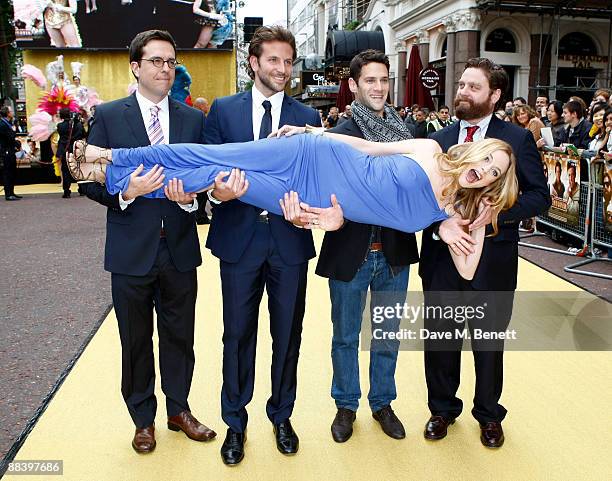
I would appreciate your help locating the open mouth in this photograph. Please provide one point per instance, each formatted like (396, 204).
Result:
(472, 176)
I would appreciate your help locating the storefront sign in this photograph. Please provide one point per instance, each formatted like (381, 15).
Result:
(430, 78)
(584, 61)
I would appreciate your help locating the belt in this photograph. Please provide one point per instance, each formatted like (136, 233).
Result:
(376, 246)
(263, 218)
(162, 233)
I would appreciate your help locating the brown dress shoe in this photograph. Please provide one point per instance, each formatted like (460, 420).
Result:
(193, 428)
(144, 440)
(436, 428)
(492, 435)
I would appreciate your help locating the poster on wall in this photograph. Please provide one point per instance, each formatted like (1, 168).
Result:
(111, 24)
(563, 179)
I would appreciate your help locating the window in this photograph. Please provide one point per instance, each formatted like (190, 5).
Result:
(577, 43)
(500, 40)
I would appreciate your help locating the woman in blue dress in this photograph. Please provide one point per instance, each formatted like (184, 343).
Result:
(406, 185)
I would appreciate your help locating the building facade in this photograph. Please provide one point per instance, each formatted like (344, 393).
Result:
(557, 55)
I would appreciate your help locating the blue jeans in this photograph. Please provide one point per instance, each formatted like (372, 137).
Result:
(348, 302)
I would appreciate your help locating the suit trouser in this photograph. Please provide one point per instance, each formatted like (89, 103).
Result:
(172, 294)
(443, 358)
(242, 286)
(67, 179)
(9, 171)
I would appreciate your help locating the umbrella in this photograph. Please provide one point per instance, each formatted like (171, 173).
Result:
(416, 93)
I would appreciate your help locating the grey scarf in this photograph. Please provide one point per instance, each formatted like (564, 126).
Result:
(388, 128)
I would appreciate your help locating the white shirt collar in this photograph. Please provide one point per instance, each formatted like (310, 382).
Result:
(483, 124)
(276, 100)
(145, 104)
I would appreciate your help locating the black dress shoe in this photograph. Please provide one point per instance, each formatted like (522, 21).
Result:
(18, 196)
(389, 423)
(436, 428)
(66, 195)
(492, 435)
(342, 427)
(287, 441)
(12, 197)
(232, 451)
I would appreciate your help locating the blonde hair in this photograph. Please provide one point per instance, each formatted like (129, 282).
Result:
(501, 194)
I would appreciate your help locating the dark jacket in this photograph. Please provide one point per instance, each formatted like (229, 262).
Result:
(579, 137)
(69, 131)
(233, 224)
(344, 251)
(132, 235)
(497, 269)
(7, 142)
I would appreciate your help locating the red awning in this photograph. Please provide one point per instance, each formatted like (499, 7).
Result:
(416, 93)
(345, 96)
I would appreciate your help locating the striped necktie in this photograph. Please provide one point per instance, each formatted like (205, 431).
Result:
(155, 132)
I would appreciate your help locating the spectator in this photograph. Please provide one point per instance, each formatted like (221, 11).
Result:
(519, 101)
(332, 118)
(420, 124)
(524, 116)
(346, 115)
(581, 102)
(598, 134)
(541, 107)
(92, 112)
(411, 114)
(440, 121)
(601, 95)
(577, 131)
(401, 111)
(555, 121)
(202, 105)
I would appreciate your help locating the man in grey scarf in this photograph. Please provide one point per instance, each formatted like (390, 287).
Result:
(388, 254)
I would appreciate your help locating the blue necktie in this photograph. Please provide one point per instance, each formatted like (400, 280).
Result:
(266, 120)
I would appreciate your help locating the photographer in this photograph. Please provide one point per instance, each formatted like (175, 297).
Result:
(70, 129)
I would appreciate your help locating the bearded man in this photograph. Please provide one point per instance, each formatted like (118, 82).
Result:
(482, 85)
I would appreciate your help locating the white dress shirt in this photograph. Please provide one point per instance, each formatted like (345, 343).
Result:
(258, 111)
(164, 119)
(480, 133)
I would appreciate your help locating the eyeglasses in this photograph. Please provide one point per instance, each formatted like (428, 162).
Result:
(159, 62)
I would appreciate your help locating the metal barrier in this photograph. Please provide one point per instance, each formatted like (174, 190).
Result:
(599, 235)
(591, 229)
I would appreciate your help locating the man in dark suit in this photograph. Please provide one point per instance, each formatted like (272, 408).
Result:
(257, 249)
(388, 254)
(152, 247)
(480, 88)
(7, 152)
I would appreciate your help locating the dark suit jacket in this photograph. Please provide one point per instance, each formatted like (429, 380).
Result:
(63, 129)
(132, 235)
(497, 269)
(231, 120)
(580, 137)
(7, 142)
(343, 251)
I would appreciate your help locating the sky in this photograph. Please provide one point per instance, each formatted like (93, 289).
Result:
(272, 11)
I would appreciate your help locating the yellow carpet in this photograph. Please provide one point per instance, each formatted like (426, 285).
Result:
(558, 425)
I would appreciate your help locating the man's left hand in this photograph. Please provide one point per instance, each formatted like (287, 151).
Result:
(302, 215)
(174, 191)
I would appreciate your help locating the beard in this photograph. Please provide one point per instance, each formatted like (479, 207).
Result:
(266, 80)
(472, 110)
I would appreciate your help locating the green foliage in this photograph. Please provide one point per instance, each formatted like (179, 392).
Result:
(352, 25)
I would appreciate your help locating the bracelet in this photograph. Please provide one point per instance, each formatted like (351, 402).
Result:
(309, 129)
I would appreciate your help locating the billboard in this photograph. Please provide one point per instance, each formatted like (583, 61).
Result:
(563, 179)
(111, 24)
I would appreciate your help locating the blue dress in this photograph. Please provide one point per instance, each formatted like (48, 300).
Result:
(390, 191)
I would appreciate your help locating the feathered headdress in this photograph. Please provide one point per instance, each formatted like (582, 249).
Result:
(56, 99)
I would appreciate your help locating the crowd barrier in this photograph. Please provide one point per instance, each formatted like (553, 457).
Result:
(592, 225)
